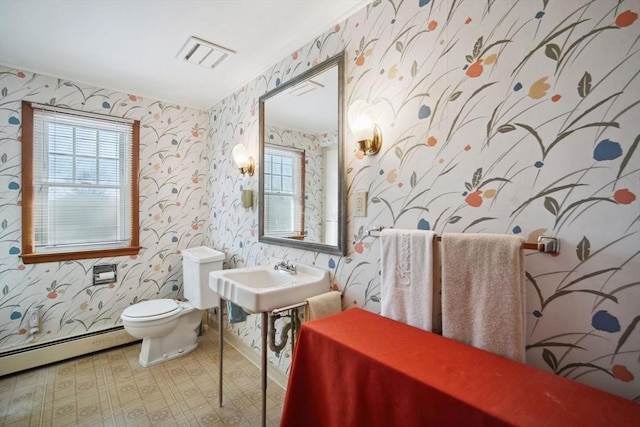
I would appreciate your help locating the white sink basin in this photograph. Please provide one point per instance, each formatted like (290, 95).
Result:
(261, 288)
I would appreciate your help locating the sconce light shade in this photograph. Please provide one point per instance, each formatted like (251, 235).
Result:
(365, 130)
(242, 159)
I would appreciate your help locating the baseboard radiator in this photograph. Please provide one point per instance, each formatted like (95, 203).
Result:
(54, 351)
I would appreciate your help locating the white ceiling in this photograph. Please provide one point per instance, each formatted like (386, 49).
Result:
(131, 45)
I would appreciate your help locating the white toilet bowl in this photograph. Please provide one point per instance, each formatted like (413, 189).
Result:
(168, 329)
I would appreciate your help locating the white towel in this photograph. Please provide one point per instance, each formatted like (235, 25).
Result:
(407, 276)
(483, 299)
(323, 305)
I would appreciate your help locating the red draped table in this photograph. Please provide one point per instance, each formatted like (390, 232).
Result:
(357, 368)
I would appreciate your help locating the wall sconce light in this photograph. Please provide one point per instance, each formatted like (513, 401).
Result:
(243, 160)
(366, 131)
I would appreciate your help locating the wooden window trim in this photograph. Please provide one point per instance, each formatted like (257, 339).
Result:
(28, 255)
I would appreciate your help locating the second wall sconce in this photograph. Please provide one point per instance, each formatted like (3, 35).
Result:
(366, 131)
(243, 159)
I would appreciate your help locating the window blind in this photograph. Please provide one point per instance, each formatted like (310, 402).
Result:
(284, 191)
(82, 180)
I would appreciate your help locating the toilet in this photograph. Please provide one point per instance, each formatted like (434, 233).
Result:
(168, 328)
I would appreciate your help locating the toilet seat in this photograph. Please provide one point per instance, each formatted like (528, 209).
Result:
(152, 310)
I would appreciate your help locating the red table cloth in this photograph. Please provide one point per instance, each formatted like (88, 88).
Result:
(357, 368)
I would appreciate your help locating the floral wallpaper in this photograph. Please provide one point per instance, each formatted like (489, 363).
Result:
(515, 117)
(173, 202)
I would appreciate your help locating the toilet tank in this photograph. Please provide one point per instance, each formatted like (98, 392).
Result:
(197, 263)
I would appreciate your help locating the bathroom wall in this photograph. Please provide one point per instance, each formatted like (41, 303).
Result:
(173, 210)
(515, 117)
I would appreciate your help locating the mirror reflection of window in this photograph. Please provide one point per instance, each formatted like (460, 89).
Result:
(284, 191)
(305, 113)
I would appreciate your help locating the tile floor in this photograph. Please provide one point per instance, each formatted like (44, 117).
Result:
(112, 389)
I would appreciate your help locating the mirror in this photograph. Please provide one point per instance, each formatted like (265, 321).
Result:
(301, 197)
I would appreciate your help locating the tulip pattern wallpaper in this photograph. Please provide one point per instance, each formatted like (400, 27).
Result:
(173, 167)
(514, 117)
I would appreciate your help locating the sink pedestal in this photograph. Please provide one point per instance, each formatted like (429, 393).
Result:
(263, 373)
(262, 290)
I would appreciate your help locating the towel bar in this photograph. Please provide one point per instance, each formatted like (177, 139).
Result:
(289, 307)
(292, 306)
(548, 245)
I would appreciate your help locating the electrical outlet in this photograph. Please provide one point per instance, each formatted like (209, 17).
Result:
(360, 203)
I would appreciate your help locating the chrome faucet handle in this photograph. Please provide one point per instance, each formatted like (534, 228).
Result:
(285, 266)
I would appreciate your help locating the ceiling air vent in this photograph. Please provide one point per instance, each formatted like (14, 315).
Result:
(203, 53)
(304, 88)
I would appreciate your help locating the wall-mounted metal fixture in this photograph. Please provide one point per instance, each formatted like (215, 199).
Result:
(243, 159)
(366, 131)
(247, 198)
(548, 245)
(106, 273)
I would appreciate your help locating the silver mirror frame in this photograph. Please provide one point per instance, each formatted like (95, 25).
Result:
(340, 248)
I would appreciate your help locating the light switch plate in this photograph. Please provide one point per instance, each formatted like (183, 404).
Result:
(360, 208)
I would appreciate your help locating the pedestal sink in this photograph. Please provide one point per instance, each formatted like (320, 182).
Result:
(262, 289)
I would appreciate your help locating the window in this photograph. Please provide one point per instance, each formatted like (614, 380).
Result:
(80, 185)
(284, 191)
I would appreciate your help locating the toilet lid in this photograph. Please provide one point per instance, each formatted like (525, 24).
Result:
(151, 308)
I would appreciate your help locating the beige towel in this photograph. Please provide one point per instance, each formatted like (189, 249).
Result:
(406, 290)
(322, 305)
(483, 298)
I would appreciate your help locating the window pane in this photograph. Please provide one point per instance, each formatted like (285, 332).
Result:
(279, 214)
(287, 169)
(287, 184)
(276, 183)
(276, 168)
(86, 170)
(86, 142)
(60, 168)
(109, 144)
(82, 215)
(60, 139)
(108, 171)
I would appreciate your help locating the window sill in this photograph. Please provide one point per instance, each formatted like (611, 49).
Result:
(71, 256)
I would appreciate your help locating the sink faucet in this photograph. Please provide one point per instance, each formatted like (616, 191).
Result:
(286, 267)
